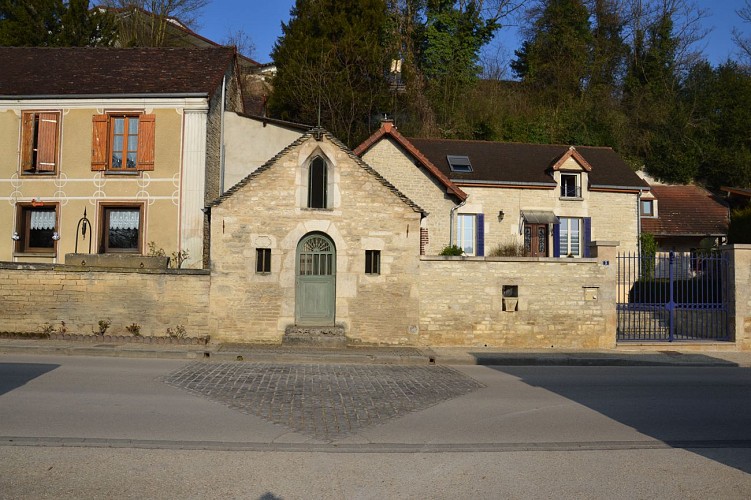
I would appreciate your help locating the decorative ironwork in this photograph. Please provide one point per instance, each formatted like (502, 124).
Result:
(83, 225)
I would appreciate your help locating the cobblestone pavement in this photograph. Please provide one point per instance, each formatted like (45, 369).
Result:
(323, 401)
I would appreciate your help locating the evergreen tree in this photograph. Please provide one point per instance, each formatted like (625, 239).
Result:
(330, 60)
(555, 58)
(54, 23)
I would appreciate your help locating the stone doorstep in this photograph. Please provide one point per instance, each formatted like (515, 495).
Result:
(320, 336)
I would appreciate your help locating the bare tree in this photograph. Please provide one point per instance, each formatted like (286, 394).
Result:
(148, 22)
(744, 41)
(240, 39)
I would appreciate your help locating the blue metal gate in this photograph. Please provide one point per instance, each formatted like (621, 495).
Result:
(668, 297)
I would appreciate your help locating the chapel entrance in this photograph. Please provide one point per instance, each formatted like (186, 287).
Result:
(315, 281)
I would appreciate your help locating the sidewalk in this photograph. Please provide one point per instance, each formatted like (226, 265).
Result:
(658, 355)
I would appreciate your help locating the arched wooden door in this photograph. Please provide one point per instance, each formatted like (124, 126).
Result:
(315, 283)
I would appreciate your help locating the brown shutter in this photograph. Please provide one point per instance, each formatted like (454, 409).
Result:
(47, 142)
(99, 143)
(145, 154)
(27, 141)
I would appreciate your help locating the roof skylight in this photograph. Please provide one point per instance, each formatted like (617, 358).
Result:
(459, 163)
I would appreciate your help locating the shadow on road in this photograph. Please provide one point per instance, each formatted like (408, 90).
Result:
(14, 375)
(700, 409)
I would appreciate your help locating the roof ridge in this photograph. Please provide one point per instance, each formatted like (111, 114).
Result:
(480, 141)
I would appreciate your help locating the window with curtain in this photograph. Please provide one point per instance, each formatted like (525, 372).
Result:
(121, 229)
(36, 229)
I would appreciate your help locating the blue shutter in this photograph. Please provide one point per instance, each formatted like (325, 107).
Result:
(556, 240)
(480, 251)
(587, 235)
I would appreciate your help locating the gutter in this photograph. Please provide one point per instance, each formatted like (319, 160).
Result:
(459, 182)
(627, 188)
(221, 137)
(451, 221)
(146, 95)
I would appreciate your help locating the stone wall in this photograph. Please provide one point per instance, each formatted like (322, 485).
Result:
(740, 298)
(35, 294)
(268, 210)
(394, 164)
(561, 303)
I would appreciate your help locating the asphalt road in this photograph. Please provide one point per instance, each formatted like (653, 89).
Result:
(77, 427)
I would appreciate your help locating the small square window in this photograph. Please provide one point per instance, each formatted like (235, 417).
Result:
(372, 262)
(263, 260)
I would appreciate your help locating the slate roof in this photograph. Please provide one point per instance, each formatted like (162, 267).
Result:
(530, 164)
(686, 211)
(83, 71)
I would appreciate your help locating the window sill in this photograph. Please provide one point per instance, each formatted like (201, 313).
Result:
(127, 174)
(49, 255)
(571, 198)
(318, 209)
(37, 174)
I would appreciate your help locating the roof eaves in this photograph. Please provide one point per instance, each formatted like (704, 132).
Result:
(388, 129)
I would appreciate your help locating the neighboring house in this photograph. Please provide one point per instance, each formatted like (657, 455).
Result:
(133, 138)
(737, 197)
(314, 238)
(684, 217)
(485, 197)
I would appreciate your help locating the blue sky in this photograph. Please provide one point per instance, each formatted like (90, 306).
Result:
(261, 20)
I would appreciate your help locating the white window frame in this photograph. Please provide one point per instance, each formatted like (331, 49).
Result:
(653, 206)
(462, 240)
(565, 232)
(578, 186)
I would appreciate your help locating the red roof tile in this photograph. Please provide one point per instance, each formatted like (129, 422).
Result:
(686, 211)
(78, 71)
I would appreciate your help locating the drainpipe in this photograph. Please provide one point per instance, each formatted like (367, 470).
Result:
(451, 221)
(221, 138)
(638, 222)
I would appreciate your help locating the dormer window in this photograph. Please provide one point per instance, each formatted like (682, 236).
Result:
(571, 185)
(459, 164)
(647, 208)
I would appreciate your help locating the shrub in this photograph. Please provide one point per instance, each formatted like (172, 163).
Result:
(178, 333)
(104, 324)
(452, 250)
(740, 226)
(509, 249)
(134, 329)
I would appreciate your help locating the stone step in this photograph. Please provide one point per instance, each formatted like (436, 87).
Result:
(318, 336)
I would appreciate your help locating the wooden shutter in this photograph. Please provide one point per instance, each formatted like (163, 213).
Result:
(587, 239)
(47, 142)
(27, 141)
(556, 240)
(99, 143)
(480, 250)
(145, 154)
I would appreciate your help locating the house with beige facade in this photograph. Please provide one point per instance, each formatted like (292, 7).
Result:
(494, 198)
(117, 151)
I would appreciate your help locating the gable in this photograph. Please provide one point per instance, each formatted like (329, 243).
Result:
(288, 166)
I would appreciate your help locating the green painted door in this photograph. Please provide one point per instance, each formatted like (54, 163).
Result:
(315, 283)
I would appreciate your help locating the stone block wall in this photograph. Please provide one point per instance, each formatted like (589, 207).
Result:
(394, 164)
(35, 294)
(739, 296)
(561, 303)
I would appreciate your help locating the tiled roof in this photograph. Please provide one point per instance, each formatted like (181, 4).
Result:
(389, 130)
(516, 163)
(78, 71)
(686, 211)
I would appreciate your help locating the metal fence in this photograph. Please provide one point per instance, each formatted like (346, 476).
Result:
(672, 297)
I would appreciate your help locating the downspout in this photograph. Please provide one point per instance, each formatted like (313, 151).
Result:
(451, 221)
(638, 222)
(221, 137)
